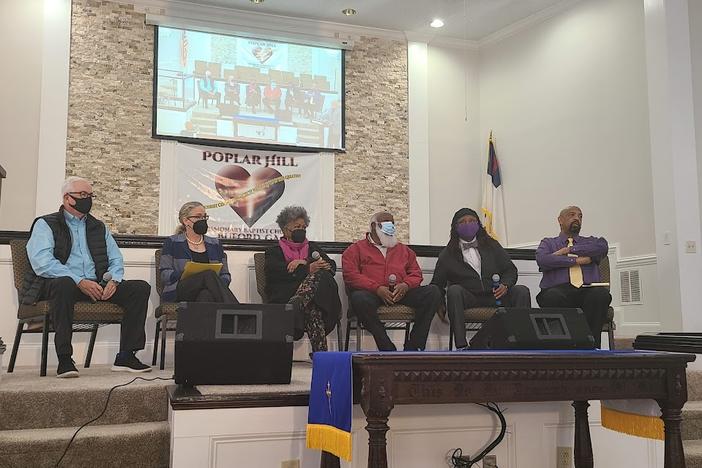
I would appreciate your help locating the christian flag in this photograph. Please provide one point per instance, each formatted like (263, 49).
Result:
(331, 404)
(493, 205)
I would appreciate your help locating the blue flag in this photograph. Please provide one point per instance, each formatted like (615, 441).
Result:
(331, 404)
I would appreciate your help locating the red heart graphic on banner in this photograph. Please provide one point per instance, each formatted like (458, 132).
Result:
(251, 194)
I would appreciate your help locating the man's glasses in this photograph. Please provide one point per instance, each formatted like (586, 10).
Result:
(82, 194)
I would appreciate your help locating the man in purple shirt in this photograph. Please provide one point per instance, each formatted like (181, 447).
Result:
(569, 264)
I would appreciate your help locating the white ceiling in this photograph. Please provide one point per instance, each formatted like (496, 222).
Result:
(483, 17)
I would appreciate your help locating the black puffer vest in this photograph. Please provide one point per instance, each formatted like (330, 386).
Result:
(33, 285)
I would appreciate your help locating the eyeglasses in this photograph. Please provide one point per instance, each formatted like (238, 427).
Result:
(82, 195)
(198, 218)
(296, 226)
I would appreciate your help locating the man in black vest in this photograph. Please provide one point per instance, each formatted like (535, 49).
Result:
(75, 258)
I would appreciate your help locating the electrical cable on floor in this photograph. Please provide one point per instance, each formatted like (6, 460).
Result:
(105, 410)
(458, 460)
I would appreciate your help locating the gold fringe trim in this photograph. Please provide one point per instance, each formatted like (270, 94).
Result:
(330, 439)
(650, 427)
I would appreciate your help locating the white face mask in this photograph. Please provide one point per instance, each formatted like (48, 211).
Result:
(385, 240)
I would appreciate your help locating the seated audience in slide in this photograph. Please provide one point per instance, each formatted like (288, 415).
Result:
(207, 88)
(292, 98)
(296, 275)
(75, 258)
(467, 265)
(569, 264)
(190, 244)
(271, 97)
(370, 266)
(253, 96)
(231, 92)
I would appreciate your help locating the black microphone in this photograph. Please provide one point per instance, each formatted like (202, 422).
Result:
(106, 278)
(392, 281)
(495, 285)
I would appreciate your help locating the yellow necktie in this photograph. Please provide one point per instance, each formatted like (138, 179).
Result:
(576, 273)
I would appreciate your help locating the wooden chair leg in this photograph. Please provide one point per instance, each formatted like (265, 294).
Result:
(348, 334)
(339, 343)
(44, 345)
(15, 347)
(359, 334)
(91, 346)
(156, 334)
(450, 338)
(164, 327)
(407, 333)
(610, 335)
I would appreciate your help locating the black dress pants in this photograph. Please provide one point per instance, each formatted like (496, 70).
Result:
(425, 300)
(593, 301)
(205, 286)
(133, 296)
(459, 298)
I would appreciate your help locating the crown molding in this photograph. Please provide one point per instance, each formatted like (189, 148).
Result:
(526, 23)
(233, 21)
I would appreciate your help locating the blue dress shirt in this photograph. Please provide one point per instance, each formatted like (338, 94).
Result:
(80, 264)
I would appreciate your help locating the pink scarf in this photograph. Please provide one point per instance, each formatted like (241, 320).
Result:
(293, 250)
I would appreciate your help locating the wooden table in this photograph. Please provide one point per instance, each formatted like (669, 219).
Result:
(382, 381)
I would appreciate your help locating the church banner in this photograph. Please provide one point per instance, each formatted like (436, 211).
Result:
(244, 190)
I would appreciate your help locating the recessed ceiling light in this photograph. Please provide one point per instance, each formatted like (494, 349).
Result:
(349, 11)
(256, 1)
(436, 23)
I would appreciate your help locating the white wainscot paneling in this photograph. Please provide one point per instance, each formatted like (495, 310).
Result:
(420, 436)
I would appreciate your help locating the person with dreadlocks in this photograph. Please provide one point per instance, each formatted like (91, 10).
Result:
(467, 264)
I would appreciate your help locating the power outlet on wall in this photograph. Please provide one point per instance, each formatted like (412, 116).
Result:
(564, 457)
(490, 461)
(290, 464)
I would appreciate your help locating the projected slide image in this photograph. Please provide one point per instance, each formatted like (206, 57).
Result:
(212, 86)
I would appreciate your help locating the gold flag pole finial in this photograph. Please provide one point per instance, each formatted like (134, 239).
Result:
(490, 136)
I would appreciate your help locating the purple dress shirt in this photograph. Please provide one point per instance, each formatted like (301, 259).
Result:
(555, 268)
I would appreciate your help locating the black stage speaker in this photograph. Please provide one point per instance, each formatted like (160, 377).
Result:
(229, 344)
(551, 328)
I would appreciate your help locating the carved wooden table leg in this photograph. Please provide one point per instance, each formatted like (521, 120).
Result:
(583, 444)
(329, 461)
(674, 455)
(377, 445)
(377, 403)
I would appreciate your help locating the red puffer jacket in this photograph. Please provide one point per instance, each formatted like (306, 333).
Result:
(364, 266)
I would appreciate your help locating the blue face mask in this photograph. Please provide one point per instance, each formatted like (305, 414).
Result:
(387, 227)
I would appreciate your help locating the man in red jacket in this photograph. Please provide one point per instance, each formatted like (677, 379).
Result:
(370, 266)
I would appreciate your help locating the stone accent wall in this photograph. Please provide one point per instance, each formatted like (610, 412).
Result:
(374, 173)
(109, 124)
(109, 116)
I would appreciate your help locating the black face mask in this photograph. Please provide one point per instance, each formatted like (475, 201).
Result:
(83, 205)
(200, 227)
(298, 235)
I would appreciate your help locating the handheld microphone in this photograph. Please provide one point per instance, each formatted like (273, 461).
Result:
(106, 278)
(315, 256)
(392, 281)
(495, 285)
